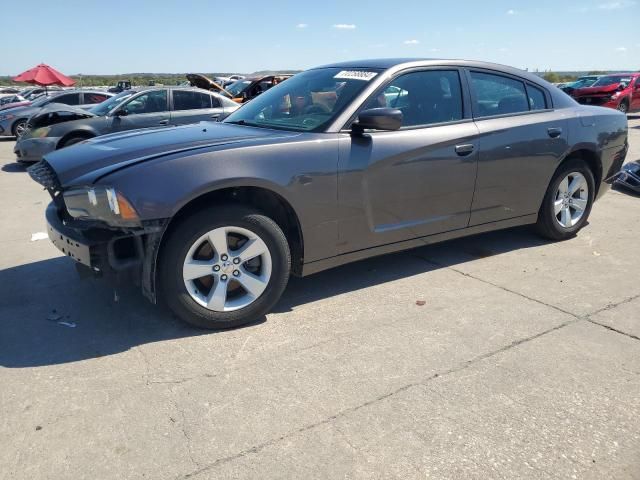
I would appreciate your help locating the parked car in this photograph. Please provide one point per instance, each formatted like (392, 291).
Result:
(121, 86)
(22, 103)
(250, 87)
(584, 81)
(31, 93)
(619, 91)
(13, 121)
(52, 129)
(11, 98)
(10, 90)
(337, 164)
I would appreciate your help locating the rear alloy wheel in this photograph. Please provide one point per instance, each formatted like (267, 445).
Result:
(567, 203)
(19, 128)
(224, 268)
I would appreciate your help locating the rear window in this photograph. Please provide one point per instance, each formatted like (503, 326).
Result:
(190, 100)
(67, 99)
(91, 98)
(498, 95)
(537, 99)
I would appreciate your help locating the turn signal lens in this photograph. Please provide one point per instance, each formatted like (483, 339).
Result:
(127, 212)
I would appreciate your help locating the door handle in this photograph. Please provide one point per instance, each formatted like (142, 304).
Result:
(163, 122)
(464, 150)
(554, 132)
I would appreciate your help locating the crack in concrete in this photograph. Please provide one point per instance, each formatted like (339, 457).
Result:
(608, 327)
(345, 412)
(183, 429)
(465, 274)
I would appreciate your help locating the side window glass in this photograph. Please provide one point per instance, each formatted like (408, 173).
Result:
(425, 98)
(537, 99)
(94, 98)
(150, 102)
(190, 100)
(69, 99)
(498, 95)
(215, 102)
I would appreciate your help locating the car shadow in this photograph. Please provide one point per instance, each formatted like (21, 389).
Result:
(15, 167)
(49, 316)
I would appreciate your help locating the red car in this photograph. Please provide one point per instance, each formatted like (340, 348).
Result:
(621, 91)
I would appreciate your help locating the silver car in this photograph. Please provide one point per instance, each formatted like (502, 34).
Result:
(14, 121)
(55, 128)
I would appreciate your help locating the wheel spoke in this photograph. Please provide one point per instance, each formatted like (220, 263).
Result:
(218, 240)
(253, 284)
(557, 207)
(196, 269)
(576, 183)
(564, 185)
(565, 217)
(579, 204)
(217, 296)
(252, 249)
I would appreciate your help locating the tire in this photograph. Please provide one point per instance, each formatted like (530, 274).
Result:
(17, 126)
(182, 244)
(623, 106)
(72, 141)
(550, 224)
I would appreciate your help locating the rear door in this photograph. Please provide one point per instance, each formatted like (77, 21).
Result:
(147, 109)
(192, 106)
(521, 141)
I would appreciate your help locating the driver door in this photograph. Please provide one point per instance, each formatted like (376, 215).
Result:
(414, 182)
(148, 109)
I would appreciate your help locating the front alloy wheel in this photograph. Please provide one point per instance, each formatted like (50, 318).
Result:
(227, 269)
(223, 267)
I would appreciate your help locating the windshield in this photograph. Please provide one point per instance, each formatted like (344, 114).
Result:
(307, 101)
(109, 104)
(236, 88)
(612, 80)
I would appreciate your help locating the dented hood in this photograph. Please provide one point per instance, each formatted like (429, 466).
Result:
(596, 90)
(92, 159)
(61, 107)
(200, 81)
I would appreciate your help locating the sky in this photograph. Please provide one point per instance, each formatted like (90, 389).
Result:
(115, 37)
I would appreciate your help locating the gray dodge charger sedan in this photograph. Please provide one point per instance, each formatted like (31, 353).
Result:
(336, 164)
(58, 127)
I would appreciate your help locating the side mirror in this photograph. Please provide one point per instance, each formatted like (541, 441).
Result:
(378, 119)
(122, 112)
(621, 87)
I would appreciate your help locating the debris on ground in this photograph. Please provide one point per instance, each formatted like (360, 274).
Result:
(39, 236)
(420, 303)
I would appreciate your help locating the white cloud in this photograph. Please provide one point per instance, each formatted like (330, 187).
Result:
(344, 26)
(302, 25)
(434, 50)
(511, 12)
(617, 5)
(503, 49)
(411, 42)
(621, 49)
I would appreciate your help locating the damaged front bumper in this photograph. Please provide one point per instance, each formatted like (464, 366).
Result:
(33, 149)
(105, 252)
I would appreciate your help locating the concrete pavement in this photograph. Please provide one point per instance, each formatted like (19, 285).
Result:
(524, 362)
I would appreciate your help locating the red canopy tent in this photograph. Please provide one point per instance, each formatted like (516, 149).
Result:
(44, 75)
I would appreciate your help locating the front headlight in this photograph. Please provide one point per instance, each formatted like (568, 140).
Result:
(100, 203)
(39, 132)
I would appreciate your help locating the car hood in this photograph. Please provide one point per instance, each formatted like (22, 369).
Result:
(86, 162)
(596, 90)
(61, 107)
(9, 106)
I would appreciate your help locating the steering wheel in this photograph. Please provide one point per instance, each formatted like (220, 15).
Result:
(316, 108)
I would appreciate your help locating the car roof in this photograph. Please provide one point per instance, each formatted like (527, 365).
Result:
(396, 64)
